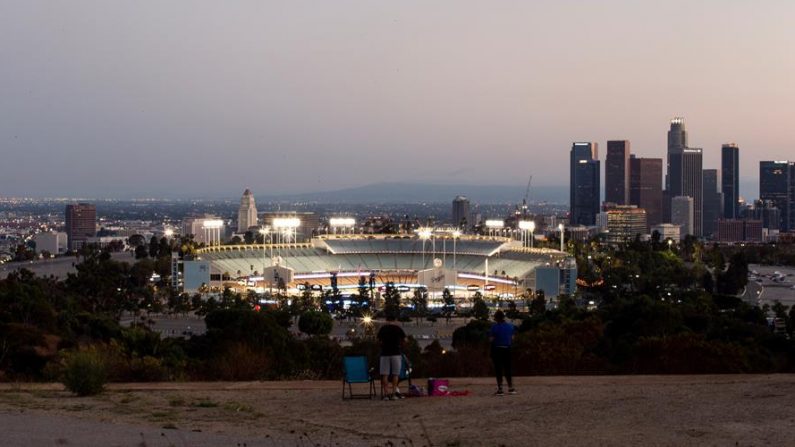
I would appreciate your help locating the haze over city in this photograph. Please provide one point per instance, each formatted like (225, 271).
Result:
(202, 98)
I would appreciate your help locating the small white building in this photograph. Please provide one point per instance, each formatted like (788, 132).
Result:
(51, 242)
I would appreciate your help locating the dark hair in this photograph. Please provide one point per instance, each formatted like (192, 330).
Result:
(499, 317)
(390, 316)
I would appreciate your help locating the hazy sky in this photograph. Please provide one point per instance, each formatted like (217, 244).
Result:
(188, 98)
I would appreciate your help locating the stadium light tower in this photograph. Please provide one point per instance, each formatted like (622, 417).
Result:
(456, 235)
(425, 233)
(212, 231)
(494, 225)
(346, 223)
(266, 231)
(525, 226)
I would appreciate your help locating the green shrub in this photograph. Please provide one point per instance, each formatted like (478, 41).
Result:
(315, 323)
(85, 373)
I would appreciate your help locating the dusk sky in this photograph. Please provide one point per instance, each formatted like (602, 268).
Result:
(190, 98)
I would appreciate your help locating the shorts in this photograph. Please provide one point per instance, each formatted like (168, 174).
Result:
(390, 365)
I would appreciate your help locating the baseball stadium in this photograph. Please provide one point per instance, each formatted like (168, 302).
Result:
(463, 264)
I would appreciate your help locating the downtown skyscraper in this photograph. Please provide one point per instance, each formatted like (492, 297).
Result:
(685, 177)
(584, 183)
(730, 180)
(645, 187)
(713, 201)
(777, 185)
(617, 172)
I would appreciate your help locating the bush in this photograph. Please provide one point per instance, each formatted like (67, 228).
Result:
(315, 323)
(84, 373)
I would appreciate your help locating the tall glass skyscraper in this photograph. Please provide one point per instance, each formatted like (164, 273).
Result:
(777, 185)
(584, 182)
(617, 172)
(677, 142)
(713, 201)
(684, 177)
(645, 190)
(730, 181)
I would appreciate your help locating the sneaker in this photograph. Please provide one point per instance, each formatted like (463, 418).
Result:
(385, 398)
(499, 393)
(512, 391)
(399, 396)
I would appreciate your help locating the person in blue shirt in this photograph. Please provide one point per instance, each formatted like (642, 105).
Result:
(501, 337)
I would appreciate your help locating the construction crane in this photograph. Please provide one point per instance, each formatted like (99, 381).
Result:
(526, 196)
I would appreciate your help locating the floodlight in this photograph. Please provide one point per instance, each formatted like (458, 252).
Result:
(342, 222)
(495, 224)
(425, 232)
(212, 224)
(527, 225)
(168, 232)
(286, 222)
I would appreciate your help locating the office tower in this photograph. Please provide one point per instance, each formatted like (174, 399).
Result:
(739, 230)
(730, 181)
(645, 187)
(776, 186)
(81, 224)
(624, 223)
(693, 185)
(584, 183)
(617, 172)
(682, 214)
(461, 217)
(677, 142)
(247, 214)
(713, 201)
(767, 212)
(684, 177)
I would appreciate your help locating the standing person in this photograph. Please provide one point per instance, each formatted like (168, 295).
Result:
(391, 337)
(501, 337)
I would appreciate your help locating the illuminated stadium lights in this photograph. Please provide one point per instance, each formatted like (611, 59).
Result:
(525, 226)
(528, 225)
(212, 231)
(212, 224)
(495, 224)
(342, 222)
(286, 222)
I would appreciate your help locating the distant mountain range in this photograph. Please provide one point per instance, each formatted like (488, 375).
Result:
(420, 192)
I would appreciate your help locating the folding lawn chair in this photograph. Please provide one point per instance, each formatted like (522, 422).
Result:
(357, 370)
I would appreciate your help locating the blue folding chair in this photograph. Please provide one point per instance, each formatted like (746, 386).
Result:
(357, 370)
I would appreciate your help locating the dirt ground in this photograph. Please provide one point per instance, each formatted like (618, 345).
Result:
(548, 411)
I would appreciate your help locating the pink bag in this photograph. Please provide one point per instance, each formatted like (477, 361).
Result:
(438, 387)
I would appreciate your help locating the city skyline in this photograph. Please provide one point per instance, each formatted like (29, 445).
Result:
(152, 101)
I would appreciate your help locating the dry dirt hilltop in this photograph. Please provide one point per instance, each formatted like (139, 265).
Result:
(728, 410)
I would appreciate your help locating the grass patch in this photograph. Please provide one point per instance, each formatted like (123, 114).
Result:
(205, 403)
(176, 402)
(78, 407)
(237, 407)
